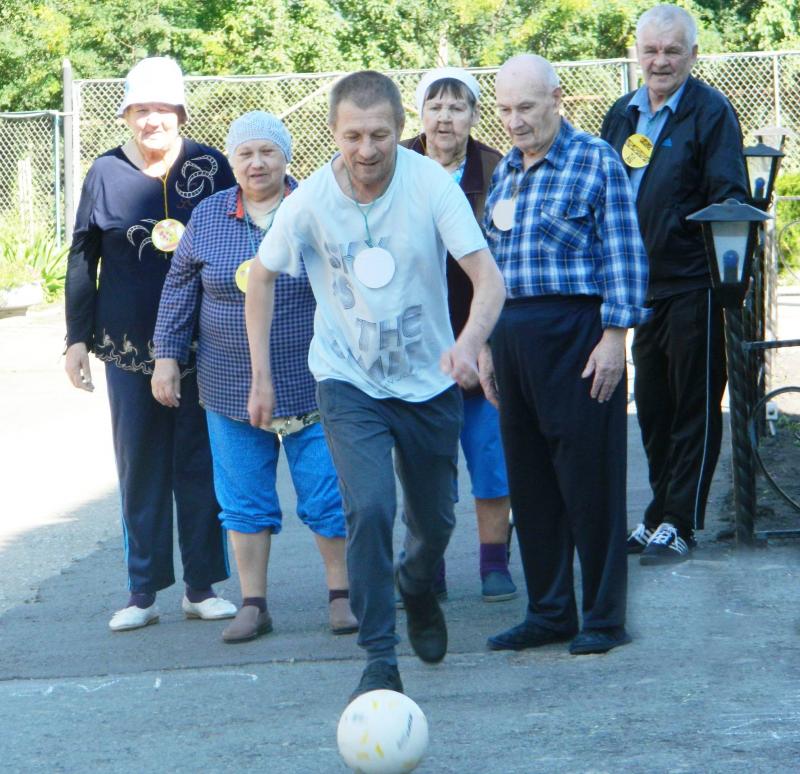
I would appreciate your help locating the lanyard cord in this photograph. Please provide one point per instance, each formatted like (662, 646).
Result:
(515, 185)
(364, 213)
(250, 225)
(164, 185)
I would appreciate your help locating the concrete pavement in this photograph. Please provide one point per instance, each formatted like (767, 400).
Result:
(708, 685)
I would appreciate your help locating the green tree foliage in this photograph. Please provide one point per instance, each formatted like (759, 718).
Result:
(103, 39)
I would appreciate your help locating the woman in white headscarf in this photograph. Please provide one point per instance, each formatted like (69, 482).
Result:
(447, 100)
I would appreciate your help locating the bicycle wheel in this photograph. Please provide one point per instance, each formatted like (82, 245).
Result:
(788, 242)
(778, 455)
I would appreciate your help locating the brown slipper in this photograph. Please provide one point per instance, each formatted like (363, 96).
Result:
(249, 623)
(341, 617)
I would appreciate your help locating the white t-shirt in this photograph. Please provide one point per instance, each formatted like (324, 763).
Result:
(386, 341)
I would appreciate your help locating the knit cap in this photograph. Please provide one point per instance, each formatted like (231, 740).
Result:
(258, 125)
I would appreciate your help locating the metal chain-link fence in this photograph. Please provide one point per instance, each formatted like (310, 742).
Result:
(763, 87)
(30, 173)
(302, 102)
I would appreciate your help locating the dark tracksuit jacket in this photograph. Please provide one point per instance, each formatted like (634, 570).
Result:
(679, 355)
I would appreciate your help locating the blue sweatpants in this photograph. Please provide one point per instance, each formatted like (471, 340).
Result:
(164, 453)
(245, 474)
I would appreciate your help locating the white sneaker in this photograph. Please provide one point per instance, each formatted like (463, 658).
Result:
(211, 609)
(133, 618)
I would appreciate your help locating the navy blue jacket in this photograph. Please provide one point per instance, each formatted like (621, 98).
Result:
(697, 161)
(119, 205)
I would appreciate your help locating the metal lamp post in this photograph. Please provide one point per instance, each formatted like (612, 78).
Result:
(774, 136)
(729, 231)
(762, 163)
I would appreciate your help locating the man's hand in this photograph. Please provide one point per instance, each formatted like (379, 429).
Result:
(166, 382)
(261, 402)
(486, 372)
(606, 363)
(461, 363)
(77, 367)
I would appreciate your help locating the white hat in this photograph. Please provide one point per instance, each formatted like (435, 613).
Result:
(456, 73)
(155, 79)
(258, 125)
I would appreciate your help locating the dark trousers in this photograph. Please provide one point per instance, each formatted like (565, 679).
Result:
(163, 452)
(566, 459)
(362, 432)
(680, 378)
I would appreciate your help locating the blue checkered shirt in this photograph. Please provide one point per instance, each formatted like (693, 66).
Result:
(575, 230)
(201, 280)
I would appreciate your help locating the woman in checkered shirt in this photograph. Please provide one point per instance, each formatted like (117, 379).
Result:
(208, 278)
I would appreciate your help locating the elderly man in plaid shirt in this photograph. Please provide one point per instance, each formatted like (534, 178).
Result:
(561, 223)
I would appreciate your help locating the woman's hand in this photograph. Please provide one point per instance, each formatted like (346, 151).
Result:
(77, 367)
(166, 382)
(261, 402)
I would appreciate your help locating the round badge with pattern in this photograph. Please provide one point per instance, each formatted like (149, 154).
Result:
(242, 274)
(166, 235)
(374, 267)
(637, 150)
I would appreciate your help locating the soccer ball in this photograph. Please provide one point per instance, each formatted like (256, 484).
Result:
(382, 732)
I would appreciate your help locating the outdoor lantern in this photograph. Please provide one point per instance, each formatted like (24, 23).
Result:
(774, 136)
(762, 163)
(729, 231)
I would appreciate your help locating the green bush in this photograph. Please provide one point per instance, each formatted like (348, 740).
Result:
(788, 223)
(25, 258)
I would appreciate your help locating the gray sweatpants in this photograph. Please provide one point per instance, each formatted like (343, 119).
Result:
(362, 432)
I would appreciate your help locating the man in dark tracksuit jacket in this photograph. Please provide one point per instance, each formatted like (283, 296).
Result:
(695, 160)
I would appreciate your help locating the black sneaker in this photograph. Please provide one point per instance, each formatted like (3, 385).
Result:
(427, 630)
(378, 675)
(439, 588)
(598, 640)
(665, 547)
(638, 539)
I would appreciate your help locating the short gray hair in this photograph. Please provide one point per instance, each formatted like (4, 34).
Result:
(663, 16)
(535, 65)
(365, 89)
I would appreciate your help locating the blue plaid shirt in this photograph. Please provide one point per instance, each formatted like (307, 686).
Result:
(202, 281)
(575, 230)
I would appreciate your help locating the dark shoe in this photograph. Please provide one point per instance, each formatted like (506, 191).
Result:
(378, 675)
(526, 635)
(427, 630)
(341, 616)
(638, 539)
(439, 589)
(249, 623)
(498, 587)
(665, 547)
(598, 641)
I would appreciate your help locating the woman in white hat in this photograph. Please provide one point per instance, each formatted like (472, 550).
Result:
(207, 281)
(447, 101)
(135, 202)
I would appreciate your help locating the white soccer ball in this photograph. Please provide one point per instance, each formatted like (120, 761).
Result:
(382, 732)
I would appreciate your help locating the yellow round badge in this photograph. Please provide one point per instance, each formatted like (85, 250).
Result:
(242, 273)
(637, 150)
(166, 234)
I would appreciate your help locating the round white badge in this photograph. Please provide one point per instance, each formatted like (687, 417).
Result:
(503, 214)
(374, 267)
(166, 234)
